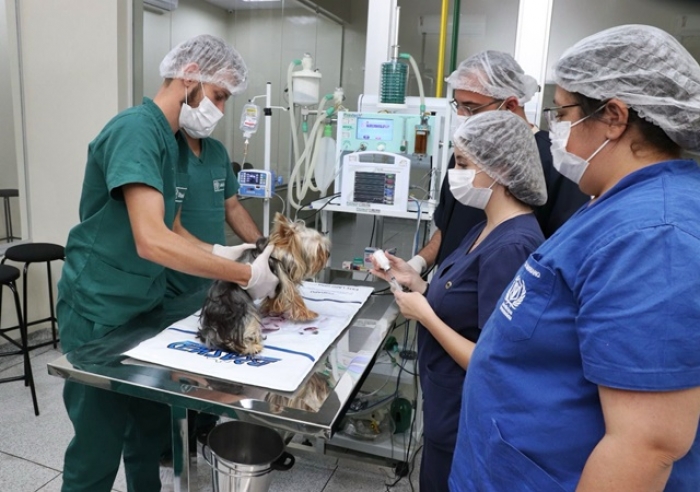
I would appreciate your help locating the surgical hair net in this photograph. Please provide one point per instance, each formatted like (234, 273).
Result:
(218, 63)
(644, 67)
(494, 74)
(502, 144)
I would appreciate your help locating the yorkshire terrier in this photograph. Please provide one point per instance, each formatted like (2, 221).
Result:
(230, 319)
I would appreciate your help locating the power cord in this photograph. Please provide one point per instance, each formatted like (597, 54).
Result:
(330, 199)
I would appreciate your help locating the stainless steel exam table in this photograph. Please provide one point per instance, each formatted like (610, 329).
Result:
(100, 363)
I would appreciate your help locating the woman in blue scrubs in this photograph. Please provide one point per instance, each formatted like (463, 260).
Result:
(587, 375)
(498, 170)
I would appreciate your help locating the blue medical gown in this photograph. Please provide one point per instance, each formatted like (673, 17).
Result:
(463, 294)
(610, 299)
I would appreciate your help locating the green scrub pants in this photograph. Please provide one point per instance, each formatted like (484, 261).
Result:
(108, 424)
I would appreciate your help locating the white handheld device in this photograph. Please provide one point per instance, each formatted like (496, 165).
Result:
(386, 266)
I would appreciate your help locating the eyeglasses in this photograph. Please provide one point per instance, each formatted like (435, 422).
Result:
(552, 113)
(471, 111)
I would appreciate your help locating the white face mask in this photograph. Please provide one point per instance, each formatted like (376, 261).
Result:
(462, 187)
(569, 165)
(199, 122)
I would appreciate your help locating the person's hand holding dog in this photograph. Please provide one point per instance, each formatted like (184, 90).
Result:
(262, 281)
(231, 252)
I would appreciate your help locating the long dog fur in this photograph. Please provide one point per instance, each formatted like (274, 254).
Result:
(230, 319)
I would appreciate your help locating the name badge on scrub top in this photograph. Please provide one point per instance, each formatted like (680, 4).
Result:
(219, 185)
(180, 193)
(526, 299)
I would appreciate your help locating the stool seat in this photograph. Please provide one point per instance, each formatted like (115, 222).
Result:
(9, 193)
(8, 274)
(35, 252)
(29, 253)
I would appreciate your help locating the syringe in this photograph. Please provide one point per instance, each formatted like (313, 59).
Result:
(386, 266)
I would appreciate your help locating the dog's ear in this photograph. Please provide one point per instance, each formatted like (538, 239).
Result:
(281, 229)
(320, 258)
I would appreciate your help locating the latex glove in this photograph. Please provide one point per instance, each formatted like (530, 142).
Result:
(231, 252)
(262, 281)
(413, 305)
(401, 270)
(418, 263)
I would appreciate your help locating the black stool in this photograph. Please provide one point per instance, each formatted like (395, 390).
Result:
(8, 275)
(6, 194)
(37, 253)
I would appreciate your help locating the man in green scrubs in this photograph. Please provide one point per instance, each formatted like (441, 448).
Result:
(116, 256)
(209, 203)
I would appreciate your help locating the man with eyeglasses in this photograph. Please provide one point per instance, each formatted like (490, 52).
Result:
(488, 81)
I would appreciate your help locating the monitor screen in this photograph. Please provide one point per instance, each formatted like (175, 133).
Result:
(250, 178)
(375, 129)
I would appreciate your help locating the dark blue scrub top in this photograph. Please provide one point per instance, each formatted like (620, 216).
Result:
(463, 294)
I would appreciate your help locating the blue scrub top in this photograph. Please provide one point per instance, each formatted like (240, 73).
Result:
(608, 300)
(463, 293)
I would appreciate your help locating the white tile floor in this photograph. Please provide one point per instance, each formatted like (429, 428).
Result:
(31, 448)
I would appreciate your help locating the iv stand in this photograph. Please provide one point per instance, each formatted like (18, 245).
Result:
(268, 149)
(268, 144)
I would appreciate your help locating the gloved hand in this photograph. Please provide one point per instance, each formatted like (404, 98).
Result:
(262, 281)
(418, 263)
(231, 252)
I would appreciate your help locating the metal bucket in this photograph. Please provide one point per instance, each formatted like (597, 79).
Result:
(242, 455)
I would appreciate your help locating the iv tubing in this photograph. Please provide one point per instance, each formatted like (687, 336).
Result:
(290, 92)
(310, 152)
(414, 65)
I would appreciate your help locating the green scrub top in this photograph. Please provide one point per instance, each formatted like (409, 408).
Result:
(104, 279)
(211, 182)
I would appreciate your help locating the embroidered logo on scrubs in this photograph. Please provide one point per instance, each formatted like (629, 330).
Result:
(180, 194)
(514, 297)
(219, 184)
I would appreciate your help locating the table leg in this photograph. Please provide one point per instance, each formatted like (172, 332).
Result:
(181, 454)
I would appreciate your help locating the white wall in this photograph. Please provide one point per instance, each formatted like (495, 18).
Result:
(354, 52)
(8, 163)
(572, 20)
(498, 21)
(164, 30)
(74, 76)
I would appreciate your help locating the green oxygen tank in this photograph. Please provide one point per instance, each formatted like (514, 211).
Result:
(393, 86)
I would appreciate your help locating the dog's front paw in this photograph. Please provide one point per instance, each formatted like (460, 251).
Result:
(302, 313)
